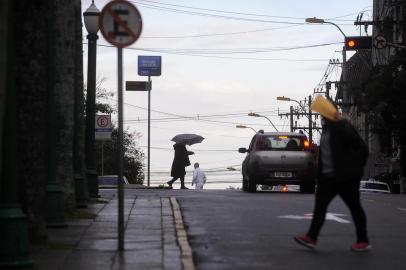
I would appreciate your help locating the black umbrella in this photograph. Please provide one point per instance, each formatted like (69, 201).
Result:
(187, 138)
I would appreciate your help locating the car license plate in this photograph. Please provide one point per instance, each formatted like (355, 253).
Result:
(283, 174)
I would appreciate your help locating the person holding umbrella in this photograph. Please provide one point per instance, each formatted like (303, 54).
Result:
(181, 157)
(180, 161)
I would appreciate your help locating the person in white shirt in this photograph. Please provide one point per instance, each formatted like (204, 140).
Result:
(199, 178)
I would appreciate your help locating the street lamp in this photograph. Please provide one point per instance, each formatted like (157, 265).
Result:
(242, 126)
(91, 19)
(283, 98)
(322, 21)
(260, 115)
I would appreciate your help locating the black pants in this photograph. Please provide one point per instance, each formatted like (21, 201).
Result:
(327, 189)
(182, 180)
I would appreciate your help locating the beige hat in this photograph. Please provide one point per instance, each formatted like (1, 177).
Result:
(324, 107)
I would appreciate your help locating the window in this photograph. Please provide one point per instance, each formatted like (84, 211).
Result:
(282, 143)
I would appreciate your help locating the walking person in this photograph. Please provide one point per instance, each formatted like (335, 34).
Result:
(341, 161)
(180, 161)
(199, 177)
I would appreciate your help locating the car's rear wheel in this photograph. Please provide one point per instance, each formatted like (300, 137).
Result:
(244, 183)
(252, 186)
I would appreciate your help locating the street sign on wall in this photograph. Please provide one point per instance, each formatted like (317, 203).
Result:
(380, 42)
(138, 85)
(103, 127)
(120, 23)
(149, 65)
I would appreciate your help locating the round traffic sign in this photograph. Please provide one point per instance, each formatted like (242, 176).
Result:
(120, 23)
(380, 42)
(103, 121)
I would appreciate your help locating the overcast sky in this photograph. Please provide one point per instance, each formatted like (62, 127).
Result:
(221, 60)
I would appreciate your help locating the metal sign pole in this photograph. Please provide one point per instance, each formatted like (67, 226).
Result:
(120, 151)
(102, 158)
(121, 31)
(149, 129)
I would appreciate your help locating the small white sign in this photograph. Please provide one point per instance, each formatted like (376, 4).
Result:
(103, 127)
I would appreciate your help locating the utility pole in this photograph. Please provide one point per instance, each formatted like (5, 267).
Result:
(310, 121)
(291, 118)
(293, 125)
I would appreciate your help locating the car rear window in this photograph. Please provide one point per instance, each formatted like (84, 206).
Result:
(281, 142)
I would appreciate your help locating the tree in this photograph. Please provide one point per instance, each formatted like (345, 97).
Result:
(133, 157)
(102, 96)
(106, 151)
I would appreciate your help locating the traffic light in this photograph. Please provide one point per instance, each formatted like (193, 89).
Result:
(358, 43)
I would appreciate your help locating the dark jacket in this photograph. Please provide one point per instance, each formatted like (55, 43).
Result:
(349, 151)
(180, 160)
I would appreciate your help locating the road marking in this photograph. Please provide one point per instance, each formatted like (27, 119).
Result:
(329, 216)
(185, 249)
(401, 209)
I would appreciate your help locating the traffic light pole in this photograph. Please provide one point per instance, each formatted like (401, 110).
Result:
(149, 128)
(310, 122)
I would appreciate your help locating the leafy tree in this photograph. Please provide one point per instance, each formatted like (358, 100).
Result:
(133, 157)
(103, 94)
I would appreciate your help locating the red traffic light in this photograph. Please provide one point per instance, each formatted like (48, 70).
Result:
(358, 43)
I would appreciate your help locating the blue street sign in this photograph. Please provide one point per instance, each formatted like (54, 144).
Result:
(149, 65)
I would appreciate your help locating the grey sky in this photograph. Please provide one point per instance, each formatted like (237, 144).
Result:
(212, 69)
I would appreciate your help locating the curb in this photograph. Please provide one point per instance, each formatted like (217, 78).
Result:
(185, 249)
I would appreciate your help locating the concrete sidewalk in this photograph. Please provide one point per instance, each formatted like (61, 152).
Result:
(154, 237)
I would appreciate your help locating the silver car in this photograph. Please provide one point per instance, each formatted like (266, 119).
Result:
(372, 186)
(278, 158)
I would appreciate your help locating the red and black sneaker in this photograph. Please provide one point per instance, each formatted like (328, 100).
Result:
(305, 241)
(361, 246)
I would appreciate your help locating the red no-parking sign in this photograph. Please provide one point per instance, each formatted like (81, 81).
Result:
(120, 23)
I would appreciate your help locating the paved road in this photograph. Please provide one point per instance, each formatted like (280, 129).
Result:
(231, 229)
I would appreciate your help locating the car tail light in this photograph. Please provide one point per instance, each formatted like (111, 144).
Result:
(306, 144)
(285, 189)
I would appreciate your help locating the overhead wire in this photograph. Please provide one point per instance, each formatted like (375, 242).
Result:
(211, 15)
(218, 34)
(240, 50)
(206, 55)
(200, 117)
(161, 6)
